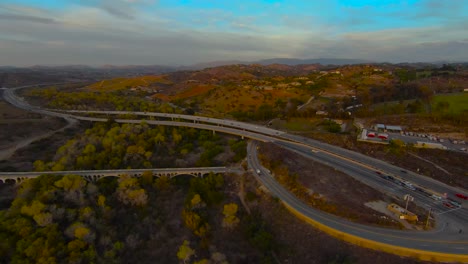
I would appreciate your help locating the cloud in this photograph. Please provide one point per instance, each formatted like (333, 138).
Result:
(124, 9)
(91, 33)
(27, 18)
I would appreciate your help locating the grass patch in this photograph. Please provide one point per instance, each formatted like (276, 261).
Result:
(458, 102)
(296, 124)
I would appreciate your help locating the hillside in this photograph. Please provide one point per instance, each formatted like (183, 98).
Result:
(261, 92)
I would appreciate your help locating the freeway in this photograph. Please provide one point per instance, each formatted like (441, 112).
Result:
(457, 218)
(357, 165)
(197, 119)
(422, 181)
(435, 241)
(376, 164)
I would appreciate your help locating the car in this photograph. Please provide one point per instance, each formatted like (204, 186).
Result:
(449, 205)
(453, 202)
(462, 196)
(387, 177)
(403, 171)
(378, 172)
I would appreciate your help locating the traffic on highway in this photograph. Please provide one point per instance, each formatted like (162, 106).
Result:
(448, 207)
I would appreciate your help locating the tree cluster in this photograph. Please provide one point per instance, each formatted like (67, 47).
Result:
(114, 146)
(115, 100)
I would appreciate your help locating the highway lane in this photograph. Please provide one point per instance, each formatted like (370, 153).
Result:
(423, 181)
(387, 168)
(332, 161)
(223, 122)
(356, 171)
(369, 177)
(427, 241)
(257, 132)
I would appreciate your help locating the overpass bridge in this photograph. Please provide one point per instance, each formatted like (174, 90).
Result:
(94, 175)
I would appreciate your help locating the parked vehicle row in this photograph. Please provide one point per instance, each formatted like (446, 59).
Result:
(433, 138)
(448, 202)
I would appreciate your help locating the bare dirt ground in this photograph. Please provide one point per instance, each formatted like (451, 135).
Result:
(347, 194)
(453, 162)
(17, 127)
(44, 149)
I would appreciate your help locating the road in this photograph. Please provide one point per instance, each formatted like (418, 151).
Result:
(254, 131)
(96, 174)
(355, 164)
(457, 218)
(439, 240)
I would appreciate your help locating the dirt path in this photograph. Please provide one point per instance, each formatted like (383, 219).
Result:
(6, 153)
(308, 102)
(428, 161)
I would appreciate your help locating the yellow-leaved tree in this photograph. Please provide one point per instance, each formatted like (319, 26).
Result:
(230, 219)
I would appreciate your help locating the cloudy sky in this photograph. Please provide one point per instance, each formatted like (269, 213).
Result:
(171, 32)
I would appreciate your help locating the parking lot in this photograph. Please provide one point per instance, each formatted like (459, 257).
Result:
(410, 137)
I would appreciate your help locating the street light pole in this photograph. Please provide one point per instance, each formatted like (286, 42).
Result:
(428, 216)
(408, 198)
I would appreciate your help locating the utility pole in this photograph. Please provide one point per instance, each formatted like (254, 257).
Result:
(428, 216)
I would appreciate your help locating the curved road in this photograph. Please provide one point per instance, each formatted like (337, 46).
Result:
(433, 240)
(442, 240)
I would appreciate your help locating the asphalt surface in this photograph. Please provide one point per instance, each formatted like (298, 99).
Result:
(414, 139)
(439, 240)
(443, 239)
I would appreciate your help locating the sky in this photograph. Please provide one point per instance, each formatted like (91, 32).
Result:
(165, 32)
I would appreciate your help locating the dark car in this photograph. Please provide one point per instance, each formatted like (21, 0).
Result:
(462, 196)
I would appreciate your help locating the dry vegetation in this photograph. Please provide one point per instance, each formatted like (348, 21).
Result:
(339, 193)
(17, 124)
(453, 162)
(127, 83)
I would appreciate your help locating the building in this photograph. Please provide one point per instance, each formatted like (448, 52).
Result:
(380, 127)
(402, 213)
(396, 129)
(388, 128)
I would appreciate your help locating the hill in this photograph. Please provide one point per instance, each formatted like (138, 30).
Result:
(260, 92)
